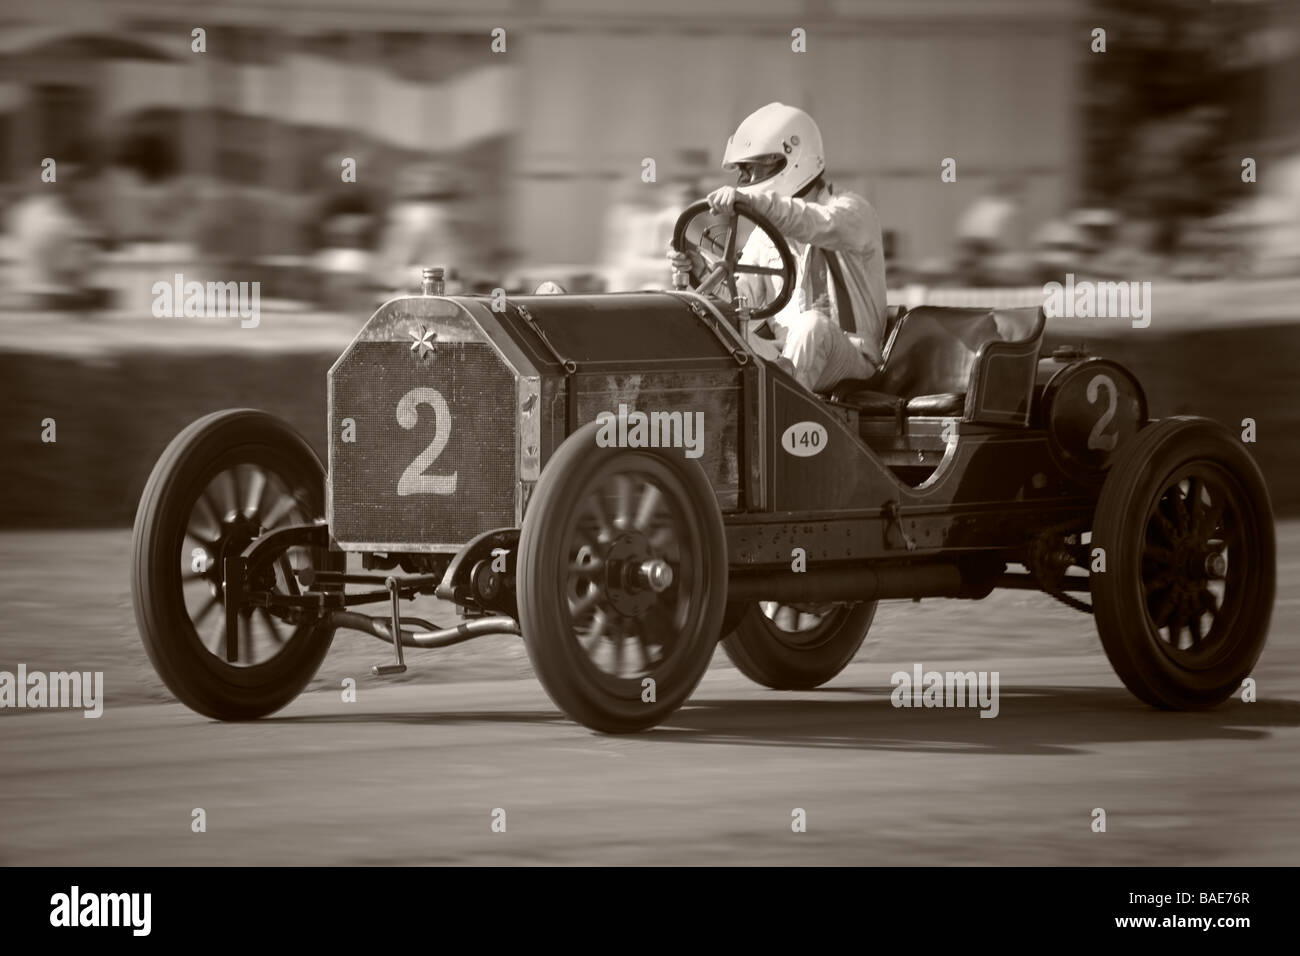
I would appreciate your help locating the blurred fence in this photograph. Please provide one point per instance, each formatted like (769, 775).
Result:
(118, 405)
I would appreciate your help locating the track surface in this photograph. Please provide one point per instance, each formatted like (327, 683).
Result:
(411, 773)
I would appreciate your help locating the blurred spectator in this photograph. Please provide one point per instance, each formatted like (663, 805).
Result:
(639, 225)
(986, 233)
(55, 240)
(1169, 187)
(420, 228)
(1277, 215)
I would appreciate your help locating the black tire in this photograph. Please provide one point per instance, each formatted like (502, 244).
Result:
(1185, 521)
(180, 498)
(575, 608)
(769, 652)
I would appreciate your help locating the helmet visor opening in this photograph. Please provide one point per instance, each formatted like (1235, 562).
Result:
(758, 169)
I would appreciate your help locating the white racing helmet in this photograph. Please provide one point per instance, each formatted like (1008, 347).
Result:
(785, 137)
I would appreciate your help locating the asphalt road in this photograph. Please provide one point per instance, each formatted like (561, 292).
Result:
(412, 773)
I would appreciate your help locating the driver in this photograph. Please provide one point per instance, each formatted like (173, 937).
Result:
(834, 325)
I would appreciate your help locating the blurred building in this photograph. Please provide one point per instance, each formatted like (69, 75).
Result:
(237, 151)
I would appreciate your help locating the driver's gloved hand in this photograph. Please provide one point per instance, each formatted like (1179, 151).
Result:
(692, 263)
(723, 199)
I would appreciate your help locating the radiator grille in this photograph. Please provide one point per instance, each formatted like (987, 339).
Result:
(392, 488)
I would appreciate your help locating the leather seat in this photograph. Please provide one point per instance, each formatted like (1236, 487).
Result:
(944, 403)
(927, 364)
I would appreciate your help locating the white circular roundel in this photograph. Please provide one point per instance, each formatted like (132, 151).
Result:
(804, 439)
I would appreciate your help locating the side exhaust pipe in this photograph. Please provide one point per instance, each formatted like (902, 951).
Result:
(423, 633)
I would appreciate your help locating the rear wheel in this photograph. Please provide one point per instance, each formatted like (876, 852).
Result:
(797, 647)
(1183, 606)
(622, 578)
(219, 485)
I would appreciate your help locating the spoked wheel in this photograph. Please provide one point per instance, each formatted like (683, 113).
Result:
(1184, 604)
(221, 484)
(797, 647)
(622, 582)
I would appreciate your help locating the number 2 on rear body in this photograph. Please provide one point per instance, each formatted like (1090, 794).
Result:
(414, 481)
(1096, 440)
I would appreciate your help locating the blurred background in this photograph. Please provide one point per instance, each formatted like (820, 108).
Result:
(526, 164)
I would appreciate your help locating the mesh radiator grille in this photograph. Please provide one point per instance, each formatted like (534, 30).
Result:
(433, 460)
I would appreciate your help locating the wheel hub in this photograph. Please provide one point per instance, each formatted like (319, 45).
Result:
(634, 575)
(1216, 565)
(237, 533)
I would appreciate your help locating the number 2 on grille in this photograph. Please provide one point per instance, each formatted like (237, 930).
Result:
(414, 481)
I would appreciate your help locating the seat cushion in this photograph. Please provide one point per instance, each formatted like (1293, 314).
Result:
(869, 402)
(942, 403)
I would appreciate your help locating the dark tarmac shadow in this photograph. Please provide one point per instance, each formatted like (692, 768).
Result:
(428, 719)
(1031, 720)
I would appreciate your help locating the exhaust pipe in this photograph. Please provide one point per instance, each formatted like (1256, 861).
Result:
(428, 635)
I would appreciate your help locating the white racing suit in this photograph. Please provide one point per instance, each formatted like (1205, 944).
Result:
(808, 331)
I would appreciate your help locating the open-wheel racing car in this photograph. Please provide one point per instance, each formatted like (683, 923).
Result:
(622, 480)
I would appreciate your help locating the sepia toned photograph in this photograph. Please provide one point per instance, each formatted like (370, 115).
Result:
(586, 433)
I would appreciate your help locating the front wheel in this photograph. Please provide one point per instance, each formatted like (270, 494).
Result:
(622, 579)
(220, 484)
(1185, 525)
(797, 647)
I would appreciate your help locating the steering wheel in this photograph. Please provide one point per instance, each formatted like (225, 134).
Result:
(723, 258)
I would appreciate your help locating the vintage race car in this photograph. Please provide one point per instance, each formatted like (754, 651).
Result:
(622, 480)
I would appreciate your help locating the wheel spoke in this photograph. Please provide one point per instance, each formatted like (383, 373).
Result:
(662, 540)
(1176, 625)
(597, 511)
(643, 647)
(580, 606)
(1163, 609)
(204, 611)
(1213, 516)
(287, 503)
(1208, 602)
(212, 533)
(1164, 525)
(214, 507)
(1181, 514)
(647, 506)
(217, 636)
(618, 654)
(591, 641)
(266, 616)
(1158, 582)
(290, 579)
(1196, 503)
(658, 630)
(586, 568)
(228, 483)
(748, 269)
(256, 490)
(1159, 556)
(622, 501)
